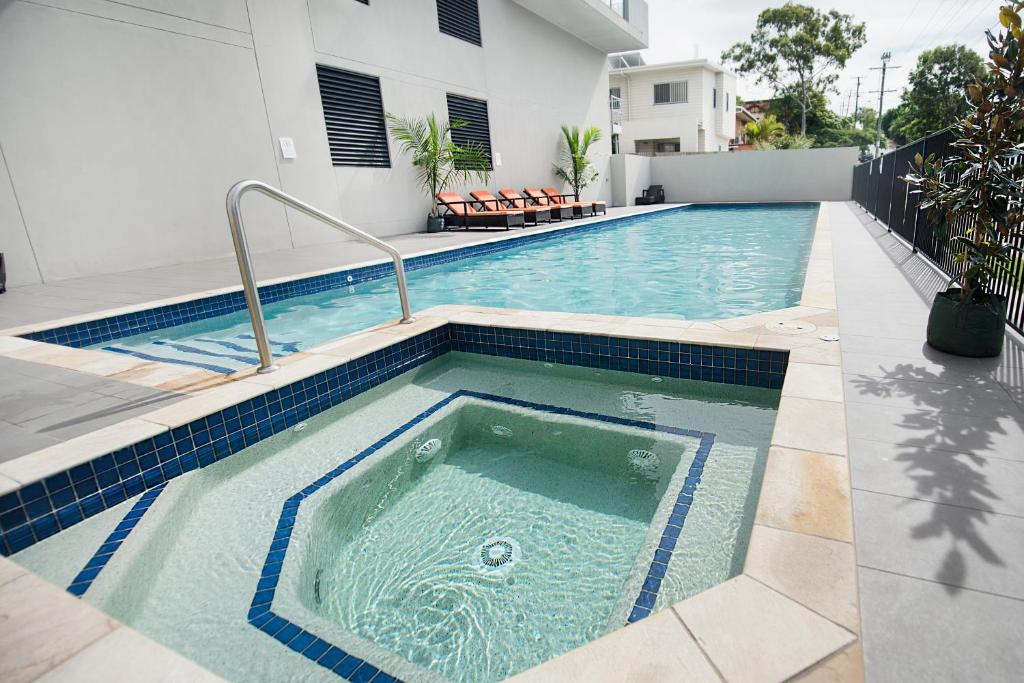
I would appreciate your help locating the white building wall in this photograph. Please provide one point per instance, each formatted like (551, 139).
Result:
(641, 119)
(772, 176)
(122, 124)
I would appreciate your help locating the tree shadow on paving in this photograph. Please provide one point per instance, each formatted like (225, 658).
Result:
(940, 455)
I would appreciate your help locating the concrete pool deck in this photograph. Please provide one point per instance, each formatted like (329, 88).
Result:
(800, 568)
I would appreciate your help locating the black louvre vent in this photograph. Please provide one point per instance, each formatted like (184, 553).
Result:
(354, 114)
(459, 18)
(474, 113)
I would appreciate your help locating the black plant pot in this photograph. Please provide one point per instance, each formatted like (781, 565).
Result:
(435, 224)
(975, 330)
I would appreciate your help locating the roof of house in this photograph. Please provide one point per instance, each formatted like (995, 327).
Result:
(668, 66)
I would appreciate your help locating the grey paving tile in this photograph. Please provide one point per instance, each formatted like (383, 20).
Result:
(973, 481)
(956, 372)
(999, 435)
(895, 391)
(956, 546)
(16, 441)
(914, 630)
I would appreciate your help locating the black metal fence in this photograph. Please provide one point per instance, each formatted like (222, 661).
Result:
(878, 189)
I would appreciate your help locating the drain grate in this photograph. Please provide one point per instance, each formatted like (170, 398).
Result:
(427, 451)
(501, 430)
(498, 552)
(643, 461)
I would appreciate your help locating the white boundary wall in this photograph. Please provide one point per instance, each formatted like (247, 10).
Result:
(776, 176)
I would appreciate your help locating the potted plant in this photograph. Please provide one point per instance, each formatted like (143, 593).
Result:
(576, 169)
(440, 163)
(976, 185)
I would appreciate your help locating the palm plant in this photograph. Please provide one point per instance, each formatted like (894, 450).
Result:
(440, 163)
(576, 169)
(764, 131)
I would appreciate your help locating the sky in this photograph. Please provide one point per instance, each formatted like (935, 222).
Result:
(683, 29)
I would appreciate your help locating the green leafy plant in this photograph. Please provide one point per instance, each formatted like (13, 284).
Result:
(576, 169)
(440, 163)
(979, 184)
(799, 50)
(764, 131)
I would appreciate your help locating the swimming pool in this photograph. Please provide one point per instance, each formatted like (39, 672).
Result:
(704, 262)
(355, 534)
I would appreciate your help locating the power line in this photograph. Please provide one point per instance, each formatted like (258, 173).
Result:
(924, 27)
(968, 25)
(955, 14)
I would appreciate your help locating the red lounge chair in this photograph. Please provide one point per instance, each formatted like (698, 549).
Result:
(533, 214)
(462, 214)
(595, 205)
(558, 209)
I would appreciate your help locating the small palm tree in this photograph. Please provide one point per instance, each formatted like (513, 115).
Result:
(765, 131)
(441, 164)
(576, 169)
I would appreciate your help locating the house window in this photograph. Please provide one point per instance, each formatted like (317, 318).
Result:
(354, 114)
(474, 113)
(714, 98)
(459, 18)
(727, 101)
(615, 97)
(671, 93)
(667, 147)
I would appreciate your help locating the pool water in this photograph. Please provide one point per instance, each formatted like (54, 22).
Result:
(386, 560)
(519, 518)
(696, 263)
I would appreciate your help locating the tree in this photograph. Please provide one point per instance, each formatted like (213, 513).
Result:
(935, 98)
(440, 163)
(973, 185)
(798, 49)
(767, 129)
(576, 168)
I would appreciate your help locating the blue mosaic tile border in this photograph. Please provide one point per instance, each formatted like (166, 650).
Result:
(644, 604)
(43, 508)
(725, 365)
(80, 584)
(351, 667)
(96, 331)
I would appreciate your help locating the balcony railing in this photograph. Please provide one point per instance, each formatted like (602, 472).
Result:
(633, 11)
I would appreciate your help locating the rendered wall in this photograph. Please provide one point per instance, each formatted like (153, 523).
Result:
(631, 175)
(775, 176)
(122, 124)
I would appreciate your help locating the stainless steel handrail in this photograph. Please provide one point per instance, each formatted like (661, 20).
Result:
(252, 296)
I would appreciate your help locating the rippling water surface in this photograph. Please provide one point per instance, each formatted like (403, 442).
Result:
(695, 263)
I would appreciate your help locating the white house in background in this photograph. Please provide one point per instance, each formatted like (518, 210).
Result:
(686, 106)
(124, 123)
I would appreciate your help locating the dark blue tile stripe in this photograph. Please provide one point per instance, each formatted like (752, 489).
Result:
(644, 604)
(168, 359)
(80, 584)
(128, 324)
(748, 367)
(41, 509)
(330, 656)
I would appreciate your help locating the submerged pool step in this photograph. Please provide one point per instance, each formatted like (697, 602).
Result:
(217, 355)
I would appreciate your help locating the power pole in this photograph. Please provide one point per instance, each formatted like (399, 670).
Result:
(856, 104)
(886, 56)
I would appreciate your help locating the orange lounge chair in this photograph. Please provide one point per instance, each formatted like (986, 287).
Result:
(533, 214)
(514, 200)
(595, 205)
(462, 214)
(558, 209)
